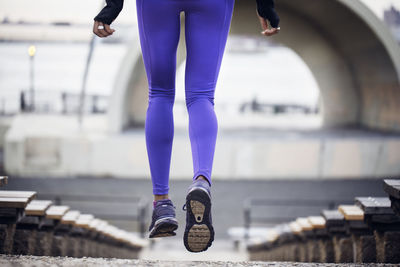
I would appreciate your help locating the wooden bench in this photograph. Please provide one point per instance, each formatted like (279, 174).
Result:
(70, 217)
(107, 240)
(94, 235)
(306, 236)
(364, 247)
(36, 227)
(71, 233)
(286, 243)
(27, 240)
(12, 206)
(127, 244)
(112, 243)
(18, 194)
(277, 243)
(380, 217)
(35, 213)
(3, 180)
(53, 224)
(392, 188)
(321, 250)
(260, 248)
(81, 232)
(341, 241)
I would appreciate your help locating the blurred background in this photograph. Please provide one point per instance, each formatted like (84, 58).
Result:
(308, 119)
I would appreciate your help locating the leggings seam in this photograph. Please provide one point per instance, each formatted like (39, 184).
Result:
(219, 42)
(197, 147)
(145, 38)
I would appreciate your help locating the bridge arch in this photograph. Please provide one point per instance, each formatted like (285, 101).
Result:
(353, 56)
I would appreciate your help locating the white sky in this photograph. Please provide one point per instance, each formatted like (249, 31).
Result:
(83, 11)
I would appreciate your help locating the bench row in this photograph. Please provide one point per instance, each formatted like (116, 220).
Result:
(37, 227)
(368, 231)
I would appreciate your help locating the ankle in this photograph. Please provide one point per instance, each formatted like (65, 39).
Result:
(201, 177)
(160, 197)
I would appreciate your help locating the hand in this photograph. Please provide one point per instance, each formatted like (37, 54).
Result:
(106, 31)
(266, 30)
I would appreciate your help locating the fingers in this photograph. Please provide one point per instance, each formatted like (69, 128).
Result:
(102, 32)
(95, 25)
(96, 29)
(106, 31)
(266, 30)
(272, 31)
(264, 23)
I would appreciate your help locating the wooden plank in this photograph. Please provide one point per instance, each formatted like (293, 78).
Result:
(304, 224)
(101, 226)
(37, 207)
(56, 212)
(374, 205)
(113, 232)
(317, 222)
(351, 212)
(392, 182)
(84, 220)
(295, 227)
(107, 230)
(70, 217)
(16, 194)
(332, 216)
(13, 202)
(272, 235)
(95, 222)
(392, 187)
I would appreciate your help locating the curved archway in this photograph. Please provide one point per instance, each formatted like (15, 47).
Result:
(352, 55)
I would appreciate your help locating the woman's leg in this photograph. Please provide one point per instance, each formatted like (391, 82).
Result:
(159, 29)
(206, 28)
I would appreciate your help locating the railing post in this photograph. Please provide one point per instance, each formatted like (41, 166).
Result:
(142, 222)
(22, 103)
(331, 205)
(247, 218)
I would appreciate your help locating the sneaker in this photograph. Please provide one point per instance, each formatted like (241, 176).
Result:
(163, 221)
(199, 232)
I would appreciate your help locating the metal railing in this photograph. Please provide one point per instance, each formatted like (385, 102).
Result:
(61, 102)
(251, 203)
(138, 204)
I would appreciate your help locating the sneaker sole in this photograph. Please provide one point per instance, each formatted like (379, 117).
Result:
(199, 232)
(165, 227)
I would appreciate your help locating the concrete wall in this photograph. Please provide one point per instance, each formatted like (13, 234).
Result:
(35, 149)
(5, 123)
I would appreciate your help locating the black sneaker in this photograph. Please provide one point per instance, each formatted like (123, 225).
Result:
(163, 221)
(199, 232)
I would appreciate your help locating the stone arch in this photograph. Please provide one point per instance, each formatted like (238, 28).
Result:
(351, 53)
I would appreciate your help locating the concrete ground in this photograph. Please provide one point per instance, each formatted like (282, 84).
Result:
(21, 261)
(173, 249)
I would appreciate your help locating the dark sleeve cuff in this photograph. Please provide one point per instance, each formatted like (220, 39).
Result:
(266, 9)
(110, 12)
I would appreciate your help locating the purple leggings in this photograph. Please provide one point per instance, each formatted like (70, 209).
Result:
(207, 24)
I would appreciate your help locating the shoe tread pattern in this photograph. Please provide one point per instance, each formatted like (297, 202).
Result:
(163, 229)
(199, 232)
